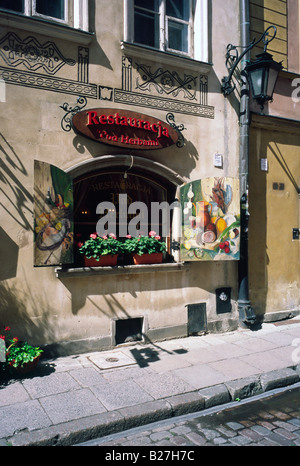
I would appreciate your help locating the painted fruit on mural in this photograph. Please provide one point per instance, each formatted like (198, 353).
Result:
(210, 219)
(53, 215)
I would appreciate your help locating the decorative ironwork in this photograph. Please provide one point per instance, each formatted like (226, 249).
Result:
(233, 58)
(66, 122)
(179, 128)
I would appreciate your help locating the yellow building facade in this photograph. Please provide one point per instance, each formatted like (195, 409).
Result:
(274, 172)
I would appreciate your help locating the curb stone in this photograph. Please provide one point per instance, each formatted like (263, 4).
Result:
(81, 430)
(146, 413)
(297, 369)
(243, 388)
(71, 432)
(278, 378)
(186, 403)
(216, 395)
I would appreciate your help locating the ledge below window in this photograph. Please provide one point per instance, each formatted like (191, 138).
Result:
(63, 272)
(168, 58)
(45, 27)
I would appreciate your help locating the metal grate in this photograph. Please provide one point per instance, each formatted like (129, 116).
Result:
(197, 319)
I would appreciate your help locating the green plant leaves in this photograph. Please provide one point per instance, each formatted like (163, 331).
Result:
(22, 353)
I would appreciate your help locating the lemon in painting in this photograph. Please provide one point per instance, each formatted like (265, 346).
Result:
(187, 245)
(221, 225)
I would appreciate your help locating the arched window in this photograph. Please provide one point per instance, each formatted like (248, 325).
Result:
(121, 191)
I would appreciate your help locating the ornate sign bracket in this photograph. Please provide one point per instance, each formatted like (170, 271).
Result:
(66, 122)
(178, 128)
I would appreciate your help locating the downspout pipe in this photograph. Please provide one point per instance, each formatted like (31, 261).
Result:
(246, 313)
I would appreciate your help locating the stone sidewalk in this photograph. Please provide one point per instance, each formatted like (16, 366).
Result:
(74, 399)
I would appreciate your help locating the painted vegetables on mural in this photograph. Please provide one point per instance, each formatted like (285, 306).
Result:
(210, 219)
(53, 215)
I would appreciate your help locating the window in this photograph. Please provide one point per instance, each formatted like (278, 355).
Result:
(163, 24)
(176, 26)
(55, 9)
(17, 5)
(59, 11)
(102, 186)
(91, 189)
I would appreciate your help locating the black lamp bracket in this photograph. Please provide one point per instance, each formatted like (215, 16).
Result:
(233, 58)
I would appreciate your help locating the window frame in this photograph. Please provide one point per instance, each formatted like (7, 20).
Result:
(198, 30)
(157, 30)
(161, 36)
(189, 23)
(76, 14)
(34, 13)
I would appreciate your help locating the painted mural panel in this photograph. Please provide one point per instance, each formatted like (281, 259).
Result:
(210, 220)
(53, 215)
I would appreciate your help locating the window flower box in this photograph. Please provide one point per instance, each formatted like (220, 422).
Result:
(102, 261)
(101, 251)
(154, 258)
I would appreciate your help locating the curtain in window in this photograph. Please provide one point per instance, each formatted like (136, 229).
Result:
(89, 191)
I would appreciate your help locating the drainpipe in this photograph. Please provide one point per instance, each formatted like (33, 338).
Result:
(246, 313)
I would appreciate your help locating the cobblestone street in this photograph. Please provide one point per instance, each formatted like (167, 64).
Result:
(272, 420)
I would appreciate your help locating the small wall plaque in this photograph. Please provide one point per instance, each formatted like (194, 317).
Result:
(264, 165)
(218, 160)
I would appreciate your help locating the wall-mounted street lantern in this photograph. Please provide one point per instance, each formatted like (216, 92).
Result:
(262, 74)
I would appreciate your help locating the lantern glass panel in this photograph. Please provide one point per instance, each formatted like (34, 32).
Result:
(256, 79)
(273, 75)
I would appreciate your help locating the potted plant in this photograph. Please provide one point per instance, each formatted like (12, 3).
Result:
(20, 356)
(145, 249)
(101, 250)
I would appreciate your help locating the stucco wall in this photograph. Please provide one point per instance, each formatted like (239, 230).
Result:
(34, 302)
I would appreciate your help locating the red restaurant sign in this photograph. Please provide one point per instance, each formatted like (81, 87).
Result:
(124, 128)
